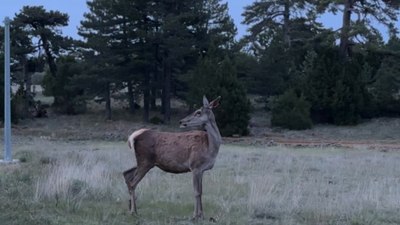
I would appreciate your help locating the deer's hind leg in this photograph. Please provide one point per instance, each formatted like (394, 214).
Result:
(129, 175)
(135, 175)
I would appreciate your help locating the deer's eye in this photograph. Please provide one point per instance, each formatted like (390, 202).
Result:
(198, 113)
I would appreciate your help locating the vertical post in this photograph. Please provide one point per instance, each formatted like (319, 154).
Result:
(7, 90)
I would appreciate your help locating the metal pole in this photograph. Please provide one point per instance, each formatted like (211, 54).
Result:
(7, 90)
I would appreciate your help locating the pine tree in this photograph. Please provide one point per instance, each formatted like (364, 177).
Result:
(280, 34)
(108, 45)
(359, 20)
(284, 19)
(44, 25)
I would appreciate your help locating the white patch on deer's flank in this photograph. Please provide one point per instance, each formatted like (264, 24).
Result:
(132, 137)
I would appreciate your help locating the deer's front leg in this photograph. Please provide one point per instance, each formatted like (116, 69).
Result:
(197, 186)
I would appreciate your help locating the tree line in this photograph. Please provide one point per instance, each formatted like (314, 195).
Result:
(159, 50)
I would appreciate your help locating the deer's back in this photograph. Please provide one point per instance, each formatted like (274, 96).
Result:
(173, 152)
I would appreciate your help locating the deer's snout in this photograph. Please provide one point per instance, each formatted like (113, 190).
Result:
(182, 124)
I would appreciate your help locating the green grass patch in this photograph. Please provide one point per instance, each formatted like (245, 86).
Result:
(67, 182)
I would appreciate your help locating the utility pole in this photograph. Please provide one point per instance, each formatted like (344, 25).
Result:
(7, 90)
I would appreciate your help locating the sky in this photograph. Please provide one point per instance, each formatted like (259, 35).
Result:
(76, 8)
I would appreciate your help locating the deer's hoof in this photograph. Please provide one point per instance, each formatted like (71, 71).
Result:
(197, 217)
(212, 220)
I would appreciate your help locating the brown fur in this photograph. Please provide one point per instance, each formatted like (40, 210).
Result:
(159, 149)
(192, 151)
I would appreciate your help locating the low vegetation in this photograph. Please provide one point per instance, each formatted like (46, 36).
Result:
(80, 182)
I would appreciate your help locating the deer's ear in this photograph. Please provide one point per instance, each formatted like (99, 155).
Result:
(215, 103)
(205, 102)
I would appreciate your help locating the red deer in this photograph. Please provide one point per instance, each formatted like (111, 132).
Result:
(182, 152)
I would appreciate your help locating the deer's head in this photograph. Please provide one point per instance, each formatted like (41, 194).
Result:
(201, 116)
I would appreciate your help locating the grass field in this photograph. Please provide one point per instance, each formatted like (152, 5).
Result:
(80, 182)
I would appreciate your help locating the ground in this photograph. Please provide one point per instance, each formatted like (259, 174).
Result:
(71, 173)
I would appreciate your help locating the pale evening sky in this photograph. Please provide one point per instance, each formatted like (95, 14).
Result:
(76, 8)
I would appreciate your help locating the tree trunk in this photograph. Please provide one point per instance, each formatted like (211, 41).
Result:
(28, 93)
(108, 102)
(49, 56)
(51, 63)
(153, 95)
(286, 24)
(131, 98)
(167, 91)
(28, 83)
(344, 35)
(155, 82)
(146, 98)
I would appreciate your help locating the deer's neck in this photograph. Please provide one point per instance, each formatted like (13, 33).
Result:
(214, 137)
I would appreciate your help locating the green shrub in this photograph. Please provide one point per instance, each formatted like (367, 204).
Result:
(233, 114)
(386, 88)
(156, 120)
(291, 111)
(214, 79)
(335, 88)
(68, 96)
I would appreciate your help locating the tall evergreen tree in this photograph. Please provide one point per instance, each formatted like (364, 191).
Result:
(44, 26)
(213, 30)
(279, 35)
(183, 33)
(106, 33)
(269, 19)
(362, 26)
(177, 18)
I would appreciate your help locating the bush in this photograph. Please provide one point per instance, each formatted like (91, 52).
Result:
(291, 111)
(68, 97)
(156, 120)
(15, 117)
(386, 88)
(233, 115)
(73, 106)
(214, 79)
(335, 88)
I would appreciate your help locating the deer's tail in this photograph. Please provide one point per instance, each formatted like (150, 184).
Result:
(133, 136)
